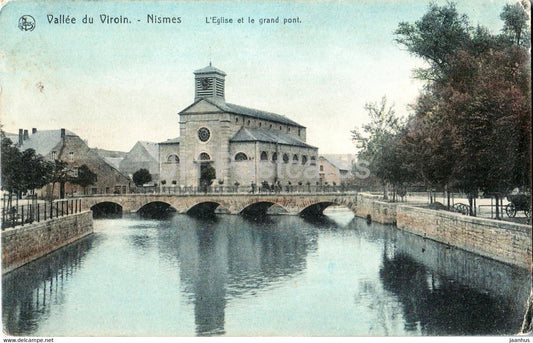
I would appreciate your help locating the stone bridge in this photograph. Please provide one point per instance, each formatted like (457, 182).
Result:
(245, 204)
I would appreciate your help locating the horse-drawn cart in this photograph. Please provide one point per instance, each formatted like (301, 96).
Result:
(518, 202)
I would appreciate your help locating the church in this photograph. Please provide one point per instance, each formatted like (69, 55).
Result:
(226, 144)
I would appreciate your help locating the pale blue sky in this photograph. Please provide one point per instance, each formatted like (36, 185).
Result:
(118, 84)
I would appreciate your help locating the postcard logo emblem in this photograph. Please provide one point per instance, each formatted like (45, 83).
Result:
(26, 23)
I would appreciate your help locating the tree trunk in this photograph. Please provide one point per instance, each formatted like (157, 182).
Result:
(497, 206)
(61, 190)
(385, 191)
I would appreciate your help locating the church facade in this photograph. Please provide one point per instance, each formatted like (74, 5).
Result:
(227, 144)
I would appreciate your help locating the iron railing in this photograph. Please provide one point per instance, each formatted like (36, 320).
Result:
(21, 215)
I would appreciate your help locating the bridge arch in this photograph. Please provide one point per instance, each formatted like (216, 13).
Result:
(260, 208)
(317, 209)
(204, 208)
(106, 209)
(156, 210)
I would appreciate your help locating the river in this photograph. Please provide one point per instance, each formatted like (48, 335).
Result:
(280, 276)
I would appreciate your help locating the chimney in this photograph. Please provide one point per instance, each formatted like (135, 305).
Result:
(63, 133)
(21, 137)
(33, 130)
(26, 136)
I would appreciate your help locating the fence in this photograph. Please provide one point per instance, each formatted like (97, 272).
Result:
(265, 189)
(30, 213)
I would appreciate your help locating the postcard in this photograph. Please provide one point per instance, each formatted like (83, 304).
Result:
(353, 168)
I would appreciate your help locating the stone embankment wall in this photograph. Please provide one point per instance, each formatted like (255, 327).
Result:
(502, 241)
(23, 244)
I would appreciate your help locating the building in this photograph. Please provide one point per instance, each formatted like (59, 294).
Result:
(143, 155)
(231, 144)
(66, 146)
(336, 169)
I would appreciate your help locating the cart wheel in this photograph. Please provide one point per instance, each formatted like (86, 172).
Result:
(462, 208)
(510, 210)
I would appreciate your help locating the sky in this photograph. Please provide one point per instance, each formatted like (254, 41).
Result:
(116, 84)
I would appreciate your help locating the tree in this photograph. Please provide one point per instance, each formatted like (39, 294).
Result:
(379, 142)
(515, 27)
(85, 177)
(436, 37)
(141, 176)
(58, 173)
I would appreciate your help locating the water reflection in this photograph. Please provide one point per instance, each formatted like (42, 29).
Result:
(279, 275)
(448, 291)
(220, 260)
(28, 292)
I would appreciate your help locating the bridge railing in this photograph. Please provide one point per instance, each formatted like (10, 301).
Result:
(20, 215)
(249, 189)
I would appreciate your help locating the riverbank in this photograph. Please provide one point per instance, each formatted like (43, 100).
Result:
(502, 241)
(23, 244)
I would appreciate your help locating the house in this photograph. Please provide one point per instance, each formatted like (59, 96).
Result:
(143, 155)
(336, 169)
(65, 145)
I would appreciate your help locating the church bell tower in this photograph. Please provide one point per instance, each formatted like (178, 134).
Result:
(209, 83)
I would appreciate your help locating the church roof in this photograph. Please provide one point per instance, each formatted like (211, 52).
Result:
(209, 69)
(250, 112)
(248, 134)
(172, 141)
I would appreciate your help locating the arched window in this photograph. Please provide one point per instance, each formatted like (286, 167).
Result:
(274, 157)
(295, 158)
(313, 160)
(236, 119)
(260, 124)
(270, 126)
(304, 159)
(264, 156)
(204, 157)
(174, 159)
(285, 158)
(248, 123)
(240, 156)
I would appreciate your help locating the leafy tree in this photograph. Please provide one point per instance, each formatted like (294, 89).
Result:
(379, 142)
(435, 38)
(516, 19)
(141, 176)
(58, 173)
(85, 177)
(11, 168)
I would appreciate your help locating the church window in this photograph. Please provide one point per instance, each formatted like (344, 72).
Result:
(275, 157)
(285, 158)
(71, 155)
(321, 168)
(313, 160)
(264, 156)
(288, 129)
(236, 119)
(54, 155)
(299, 132)
(241, 156)
(304, 159)
(174, 159)
(295, 158)
(204, 157)
(270, 126)
(204, 134)
(280, 127)
(260, 124)
(248, 122)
